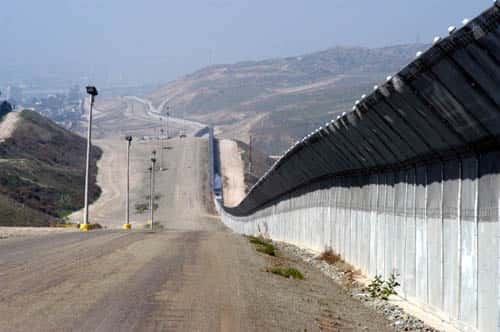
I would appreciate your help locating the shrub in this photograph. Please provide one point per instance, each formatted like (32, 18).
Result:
(382, 289)
(286, 272)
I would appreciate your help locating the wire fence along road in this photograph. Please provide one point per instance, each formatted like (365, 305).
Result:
(407, 182)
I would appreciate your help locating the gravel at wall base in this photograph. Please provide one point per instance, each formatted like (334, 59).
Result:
(400, 320)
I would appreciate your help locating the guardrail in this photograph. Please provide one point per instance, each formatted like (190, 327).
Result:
(409, 181)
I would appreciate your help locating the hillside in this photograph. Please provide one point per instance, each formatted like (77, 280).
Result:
(279, 100)
(42, 171)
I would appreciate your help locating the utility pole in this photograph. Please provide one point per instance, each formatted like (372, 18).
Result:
(92, 91)
(250, 156)
(151, 188)
(168, 114)
(161, 147)
(127, 203)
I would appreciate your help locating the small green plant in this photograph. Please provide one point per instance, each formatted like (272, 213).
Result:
(262, 245)
(257, 240)
(268, 250)
(141, 207)
(382, 289)
(286, 272)
(375, 287)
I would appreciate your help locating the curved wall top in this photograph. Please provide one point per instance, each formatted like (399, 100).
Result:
(443, 105)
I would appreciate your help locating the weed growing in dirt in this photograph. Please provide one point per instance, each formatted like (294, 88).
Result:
(143, 207)
(330, 257)
(262, 245)
(382, 289)
(64, 225)
(335, 259)
(286, 272)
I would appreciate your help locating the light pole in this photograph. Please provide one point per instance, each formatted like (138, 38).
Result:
(152, 188)
(161, 148)
(92, 91)
(250, 156)
(168, 114)
(127, 203)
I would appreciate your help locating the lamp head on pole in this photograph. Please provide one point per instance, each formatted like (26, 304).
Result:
(91, 90)
(128, 138)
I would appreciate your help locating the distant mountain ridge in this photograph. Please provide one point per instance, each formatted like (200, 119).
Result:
(279, 100)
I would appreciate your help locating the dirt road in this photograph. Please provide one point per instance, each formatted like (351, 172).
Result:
(232, 170)
(192, 275)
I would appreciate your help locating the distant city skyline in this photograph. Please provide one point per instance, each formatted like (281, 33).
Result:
(154, 41)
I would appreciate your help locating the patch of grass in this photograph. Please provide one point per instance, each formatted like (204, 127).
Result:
(262, 245)
(156, 225)
(268, 250)
(64, 225)
(286, 272)
(257, 240)
(141, 207)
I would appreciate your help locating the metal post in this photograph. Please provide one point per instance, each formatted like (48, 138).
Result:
(87, 165)
(250, 156)
(168, 114)
(161, 147)
(151, 196)
(127, 203)
(151, 188)
(86, 226)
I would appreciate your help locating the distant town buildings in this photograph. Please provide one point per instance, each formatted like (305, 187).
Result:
(63, 108)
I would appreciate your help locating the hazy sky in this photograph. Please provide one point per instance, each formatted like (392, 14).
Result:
(150, 41)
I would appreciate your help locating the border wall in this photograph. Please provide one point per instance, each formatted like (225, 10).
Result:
(408, 182)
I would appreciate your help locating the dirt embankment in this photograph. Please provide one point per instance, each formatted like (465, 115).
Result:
(8, 124)
(232, 168)
(42, 171)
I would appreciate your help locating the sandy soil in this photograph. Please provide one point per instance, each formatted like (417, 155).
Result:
(7, 125)
(109, 209)
(10, 232)
(232, 168)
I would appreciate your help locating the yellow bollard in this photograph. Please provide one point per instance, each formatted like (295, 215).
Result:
(85, 227)
(127, 226)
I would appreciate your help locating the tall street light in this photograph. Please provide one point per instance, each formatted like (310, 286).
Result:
(161, 147)
(92, 91)
(127, 208)
(152, 188)
(168, 114)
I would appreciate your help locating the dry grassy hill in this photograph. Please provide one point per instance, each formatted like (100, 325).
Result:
(42, 171)
(280, 100)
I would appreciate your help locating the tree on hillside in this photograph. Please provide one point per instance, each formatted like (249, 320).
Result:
(5, 108)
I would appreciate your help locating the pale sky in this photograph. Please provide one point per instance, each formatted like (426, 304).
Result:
(153, 41)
